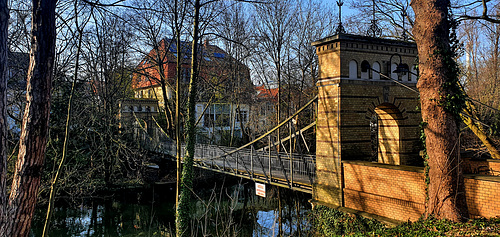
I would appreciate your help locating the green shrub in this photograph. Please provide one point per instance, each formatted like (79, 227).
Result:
(331, 222)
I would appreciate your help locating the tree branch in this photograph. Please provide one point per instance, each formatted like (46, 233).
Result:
(484, 16)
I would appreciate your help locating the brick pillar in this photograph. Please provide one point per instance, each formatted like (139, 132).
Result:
(328, 187)
(349, 96)
(328, 166)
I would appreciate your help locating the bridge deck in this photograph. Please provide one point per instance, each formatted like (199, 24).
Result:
(294, 171)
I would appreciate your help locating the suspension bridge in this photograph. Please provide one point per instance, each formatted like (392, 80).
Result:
(274, 163)
(367, 128)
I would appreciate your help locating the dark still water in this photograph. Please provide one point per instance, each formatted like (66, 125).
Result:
(226, 210)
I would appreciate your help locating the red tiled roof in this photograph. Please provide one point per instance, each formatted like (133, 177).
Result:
(265, 93)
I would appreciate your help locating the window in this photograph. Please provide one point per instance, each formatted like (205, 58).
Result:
(216, 120)
(242, 116)
(376, 67)
(365, 66)
(217, 115)
(353, 69)
(393, 67)
(405, 76)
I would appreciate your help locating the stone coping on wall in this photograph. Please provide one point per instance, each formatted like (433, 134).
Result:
(386, 166)
(483, 177)
(366, 39)
(473, 159)
(481, 159)
(360, 81)
(481, 166)
(420, 169)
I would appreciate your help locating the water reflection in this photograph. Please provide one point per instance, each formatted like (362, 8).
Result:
(228, 211)
(124, 214)
(267, 224)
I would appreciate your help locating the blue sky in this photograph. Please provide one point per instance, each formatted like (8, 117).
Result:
(346, 10)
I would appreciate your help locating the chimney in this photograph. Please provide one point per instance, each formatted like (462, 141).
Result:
(206, 43)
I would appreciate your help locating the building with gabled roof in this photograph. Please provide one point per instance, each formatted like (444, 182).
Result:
(224, 84)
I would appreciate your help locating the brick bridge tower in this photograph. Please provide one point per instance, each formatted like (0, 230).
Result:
(363, 115)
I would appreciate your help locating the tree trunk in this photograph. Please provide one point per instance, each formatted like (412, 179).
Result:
(34, 131)
(4, 23)
(177, 123)
(432, 35)
(184, 209)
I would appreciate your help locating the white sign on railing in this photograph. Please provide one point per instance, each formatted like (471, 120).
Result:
(260, 189)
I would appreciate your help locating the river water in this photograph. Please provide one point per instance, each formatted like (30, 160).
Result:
(226, 210)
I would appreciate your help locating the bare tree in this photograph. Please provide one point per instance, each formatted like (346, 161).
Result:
(152, 23)
(79, 27)
(233, 29)
(314, 21)
(393, 16)
(274, 26)
(4, 23)
(481, 39)
(485, 15)
(184, 208)
(105, 64)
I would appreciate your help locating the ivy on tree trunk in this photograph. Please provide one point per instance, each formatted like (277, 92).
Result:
(184, 208)
(441, 103)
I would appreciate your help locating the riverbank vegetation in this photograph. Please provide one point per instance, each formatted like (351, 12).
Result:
(331, 222)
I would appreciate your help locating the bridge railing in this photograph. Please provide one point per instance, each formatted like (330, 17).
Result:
(285, 168)
(290, 169)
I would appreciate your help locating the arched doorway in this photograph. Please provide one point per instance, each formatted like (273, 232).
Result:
(388, 120)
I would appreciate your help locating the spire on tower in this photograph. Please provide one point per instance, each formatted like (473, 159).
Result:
(374, 29)
(404, 35)
(340, 28)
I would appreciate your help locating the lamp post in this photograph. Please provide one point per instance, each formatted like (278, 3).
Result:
(401, 69)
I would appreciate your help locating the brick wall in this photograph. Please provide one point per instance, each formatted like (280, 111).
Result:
(483, 195)
(485, 166)
(398, 192)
